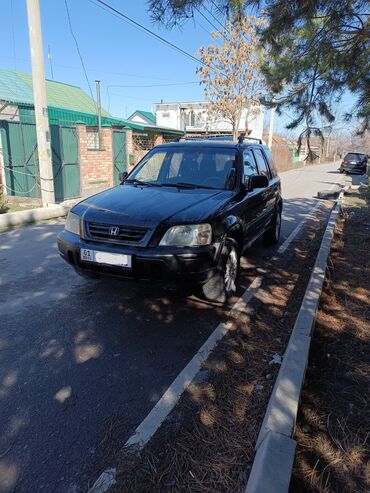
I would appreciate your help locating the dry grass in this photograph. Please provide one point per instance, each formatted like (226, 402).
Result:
(207, 443)
(333, 428)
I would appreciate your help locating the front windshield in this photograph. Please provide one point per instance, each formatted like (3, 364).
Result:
(203, 168)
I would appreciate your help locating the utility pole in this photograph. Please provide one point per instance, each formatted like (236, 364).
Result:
(97, 82)
(271, 126)
(328, 143)
(40, 103)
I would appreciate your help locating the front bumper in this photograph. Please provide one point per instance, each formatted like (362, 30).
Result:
(195, 265)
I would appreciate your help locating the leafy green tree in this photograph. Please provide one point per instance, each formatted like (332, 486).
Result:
(319, 50)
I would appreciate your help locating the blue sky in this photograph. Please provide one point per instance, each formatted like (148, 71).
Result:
(113, 52)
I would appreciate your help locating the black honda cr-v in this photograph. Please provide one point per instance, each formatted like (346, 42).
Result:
(185, 213)
(354, 162)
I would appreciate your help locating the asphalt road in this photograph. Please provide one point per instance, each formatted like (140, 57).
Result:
(77, 354)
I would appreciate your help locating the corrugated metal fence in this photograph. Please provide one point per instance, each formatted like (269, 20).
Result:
(20, 160)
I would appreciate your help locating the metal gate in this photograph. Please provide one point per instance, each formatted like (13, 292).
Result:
(66, 168)
(19, 148)
(119, 154)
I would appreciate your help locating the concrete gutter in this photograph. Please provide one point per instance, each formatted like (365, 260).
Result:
(275, 447)
(10, 219)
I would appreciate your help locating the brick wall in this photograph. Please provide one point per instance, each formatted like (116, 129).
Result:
(96, 165)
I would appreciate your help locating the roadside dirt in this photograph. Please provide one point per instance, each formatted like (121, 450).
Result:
(333, 428)
(207, 443)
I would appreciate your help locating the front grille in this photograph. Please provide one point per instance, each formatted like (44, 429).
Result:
(126, 234)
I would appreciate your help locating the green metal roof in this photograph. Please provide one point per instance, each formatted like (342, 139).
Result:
(13, 88)
(146, 114)
(16, 87)
(67, 105)
(60, 116)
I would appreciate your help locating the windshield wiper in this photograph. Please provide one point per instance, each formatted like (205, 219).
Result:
(135, 181)
(186, 185)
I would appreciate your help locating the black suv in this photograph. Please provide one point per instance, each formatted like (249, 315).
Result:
(354, 162)
(185, 213)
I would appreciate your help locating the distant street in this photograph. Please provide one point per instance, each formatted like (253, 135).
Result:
(75, 354)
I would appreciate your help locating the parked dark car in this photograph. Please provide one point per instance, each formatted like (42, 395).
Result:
(185, 213)
(354, 162)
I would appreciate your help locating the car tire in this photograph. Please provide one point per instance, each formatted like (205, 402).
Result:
(272, 235)
(222, 285)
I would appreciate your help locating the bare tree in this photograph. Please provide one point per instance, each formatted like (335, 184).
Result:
(231, 72)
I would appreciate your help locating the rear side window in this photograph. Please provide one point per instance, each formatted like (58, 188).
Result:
(270, 160)
(250, 167)
(261, 163)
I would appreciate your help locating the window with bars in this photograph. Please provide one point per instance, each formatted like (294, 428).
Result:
(92, 139)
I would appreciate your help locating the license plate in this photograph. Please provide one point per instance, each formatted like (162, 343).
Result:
(98, 257)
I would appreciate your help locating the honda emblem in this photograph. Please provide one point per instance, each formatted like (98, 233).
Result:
(114, 230)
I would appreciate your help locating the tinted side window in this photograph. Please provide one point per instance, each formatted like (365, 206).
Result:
(270, 160)
(261, 163)
(250, 167)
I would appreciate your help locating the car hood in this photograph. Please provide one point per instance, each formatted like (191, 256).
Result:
(149, 206)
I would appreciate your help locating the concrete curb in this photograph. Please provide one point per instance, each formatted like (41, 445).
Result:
(274, 459)
(10, 219)
(272, 466)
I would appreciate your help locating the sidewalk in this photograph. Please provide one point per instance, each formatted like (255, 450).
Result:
(10, 219)
(332, 427)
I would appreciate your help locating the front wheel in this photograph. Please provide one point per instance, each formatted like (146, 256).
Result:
(222, 285)
(272, 235)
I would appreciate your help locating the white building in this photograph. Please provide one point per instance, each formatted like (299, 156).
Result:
(192, 117)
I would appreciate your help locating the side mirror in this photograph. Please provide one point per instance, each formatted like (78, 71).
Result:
(257, 181)
(122, 176)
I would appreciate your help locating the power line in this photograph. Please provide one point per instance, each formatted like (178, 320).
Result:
(224, 14)
(196, 22)
(206, 18)
(109, 94)
(117, 13)
(157, 85)
(78, 50)
(212, 14)
(142, 28)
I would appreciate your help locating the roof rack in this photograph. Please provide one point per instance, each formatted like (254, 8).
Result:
(219, 137)
(243, 137)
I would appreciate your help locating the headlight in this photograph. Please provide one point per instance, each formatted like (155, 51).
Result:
(73, 223)
(188, 235)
